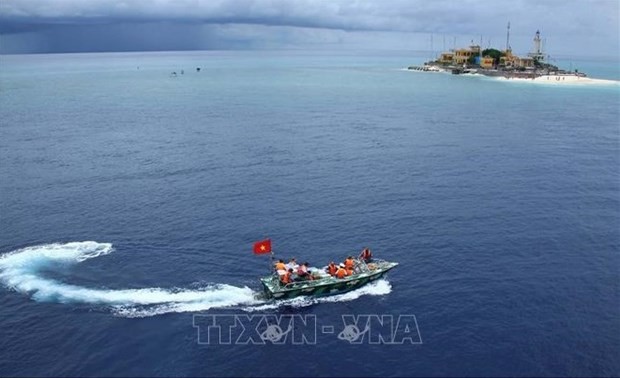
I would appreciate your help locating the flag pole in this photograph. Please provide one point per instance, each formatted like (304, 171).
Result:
(271, 262)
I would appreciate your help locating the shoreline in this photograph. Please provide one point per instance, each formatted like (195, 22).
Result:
(557, 80)
(545, 79)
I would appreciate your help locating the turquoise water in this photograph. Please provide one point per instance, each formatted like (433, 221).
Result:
(500, 201)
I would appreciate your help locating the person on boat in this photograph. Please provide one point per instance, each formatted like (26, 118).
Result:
(303, 273)
(287, 277)
(310, 275)
(349, 271)
(341, 272)
(349, 263)
(292, 264)
(280, 266)
(366, 255)
(332, 269)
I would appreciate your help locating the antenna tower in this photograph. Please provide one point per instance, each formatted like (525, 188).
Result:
(508, 37)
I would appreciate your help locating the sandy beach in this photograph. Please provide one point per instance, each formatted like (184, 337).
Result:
(560, 80)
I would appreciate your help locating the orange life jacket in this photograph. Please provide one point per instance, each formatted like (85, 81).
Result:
(341, 273)
(286, 278)
(348, 263)
(280, 266)
(332, 269)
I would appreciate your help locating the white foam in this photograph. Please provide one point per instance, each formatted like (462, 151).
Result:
(223, 296)
(379, 287)
(20, 270)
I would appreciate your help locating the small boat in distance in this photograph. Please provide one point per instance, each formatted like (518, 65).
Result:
(323, 284)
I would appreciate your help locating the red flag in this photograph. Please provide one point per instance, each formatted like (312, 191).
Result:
(263, 246)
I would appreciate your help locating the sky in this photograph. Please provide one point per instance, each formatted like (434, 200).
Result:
(568, 27)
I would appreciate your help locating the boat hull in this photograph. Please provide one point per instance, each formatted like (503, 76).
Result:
(324, 286)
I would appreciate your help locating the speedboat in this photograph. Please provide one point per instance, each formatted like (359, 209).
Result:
(323, 284)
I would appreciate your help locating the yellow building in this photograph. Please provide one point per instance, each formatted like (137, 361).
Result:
(446, 58)
(513, 61)
(507, 59)
(462, 56)
(487, 62)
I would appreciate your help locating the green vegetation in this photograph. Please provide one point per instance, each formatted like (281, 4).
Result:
(493, 53)
(545, 66)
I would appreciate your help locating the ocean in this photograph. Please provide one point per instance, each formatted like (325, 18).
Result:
(133, 186)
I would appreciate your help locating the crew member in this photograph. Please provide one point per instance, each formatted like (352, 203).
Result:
(287, 277)
(292, 264)
(302, 272)
(280, 265)
(366, 255)
(349, 271)
(332, 269)
(341, 272)
(349, 263)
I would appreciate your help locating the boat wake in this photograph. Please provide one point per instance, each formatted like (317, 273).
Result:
(379, 287)
(22, 271)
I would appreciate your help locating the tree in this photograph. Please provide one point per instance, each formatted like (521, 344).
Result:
(493, 53)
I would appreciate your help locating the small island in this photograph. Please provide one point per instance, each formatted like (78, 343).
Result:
(501, 63)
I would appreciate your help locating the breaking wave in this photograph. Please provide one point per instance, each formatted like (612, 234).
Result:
(21, 270)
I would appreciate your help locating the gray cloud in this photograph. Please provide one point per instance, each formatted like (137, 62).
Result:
(576, 22)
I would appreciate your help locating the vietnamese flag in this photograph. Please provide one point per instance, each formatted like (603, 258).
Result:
(263, 246)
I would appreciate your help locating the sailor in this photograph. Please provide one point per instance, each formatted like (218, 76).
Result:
(349, 263)
(280, 266)
(287, 277)
(332, 268)
(349, 271)
(366, 255)
(292, 264)
(341, 272)
(302, 272)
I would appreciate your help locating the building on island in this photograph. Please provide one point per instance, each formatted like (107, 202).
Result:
(474, 56)
(537, 53)
(463, 56)
(487, 62)
(509, 60)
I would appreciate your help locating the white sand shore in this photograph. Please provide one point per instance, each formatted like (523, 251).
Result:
(560, 80)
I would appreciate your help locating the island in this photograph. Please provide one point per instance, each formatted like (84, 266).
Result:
(501, 63)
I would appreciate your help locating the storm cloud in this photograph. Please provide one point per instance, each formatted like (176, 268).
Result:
(109, 25)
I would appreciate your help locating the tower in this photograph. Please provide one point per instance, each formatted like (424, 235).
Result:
(537, 52)
(537, 42)
(508, 37)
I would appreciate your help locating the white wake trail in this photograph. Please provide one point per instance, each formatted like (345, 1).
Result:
(379, 287)
(21, 271)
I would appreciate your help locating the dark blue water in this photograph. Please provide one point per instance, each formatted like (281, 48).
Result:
(500, 201)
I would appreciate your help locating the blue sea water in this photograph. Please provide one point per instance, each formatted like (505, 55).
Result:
(130, 198)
